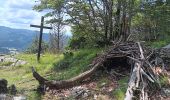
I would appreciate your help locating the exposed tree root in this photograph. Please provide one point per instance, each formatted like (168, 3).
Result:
(65, 83)
(54, 84)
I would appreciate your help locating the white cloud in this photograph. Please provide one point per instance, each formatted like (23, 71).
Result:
(21, 4)
(19, 14)
(68, 30)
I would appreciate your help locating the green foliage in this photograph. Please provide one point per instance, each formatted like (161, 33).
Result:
(91, 20)
(119, 93)
(68, 53)
(33, 48)
(5, 63)
(73, 65)
(77, 43)
(49, 64)
(160, 43)
(94, 23)
(103, 80)
(164, 81)
(152, 21)
(34, 96)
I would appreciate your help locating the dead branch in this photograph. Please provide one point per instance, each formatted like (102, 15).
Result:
(140, 77)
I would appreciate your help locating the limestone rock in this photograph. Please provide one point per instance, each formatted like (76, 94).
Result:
(19, 98)
(80, 92)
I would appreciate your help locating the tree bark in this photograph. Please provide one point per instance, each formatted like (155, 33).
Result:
(117, 24)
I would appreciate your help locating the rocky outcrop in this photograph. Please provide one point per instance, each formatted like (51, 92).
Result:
(12, 61)
(3, 86)
(10, 97)
(19, 98)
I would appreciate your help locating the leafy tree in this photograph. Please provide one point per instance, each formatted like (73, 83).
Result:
(102, 21)
(152, 19)
(56, 21)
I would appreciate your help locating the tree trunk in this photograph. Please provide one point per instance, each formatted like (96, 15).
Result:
(117, 24)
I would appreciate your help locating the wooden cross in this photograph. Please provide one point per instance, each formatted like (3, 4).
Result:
(40, 37)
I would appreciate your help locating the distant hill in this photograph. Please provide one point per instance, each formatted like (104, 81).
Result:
(17, 38)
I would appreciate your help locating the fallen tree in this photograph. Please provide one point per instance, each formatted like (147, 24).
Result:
(54, 84)
(143, 62)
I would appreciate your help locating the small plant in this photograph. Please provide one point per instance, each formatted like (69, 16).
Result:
(63, 65)
(102, 82)
(164, 81)
(119, 93)
(68, 53)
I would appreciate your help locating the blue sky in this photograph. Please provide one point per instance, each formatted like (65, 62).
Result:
(19, 14)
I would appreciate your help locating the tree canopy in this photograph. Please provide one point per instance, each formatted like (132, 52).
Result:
(98, 22)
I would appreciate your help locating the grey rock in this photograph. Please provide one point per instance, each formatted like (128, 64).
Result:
(85, 95)
(19, 97)
(166, 91)
(95, 97)
(14, 61)
(167, 46)
(3, 96)
(3, 86)
(80, 92)
(164, 53)
(18, 63)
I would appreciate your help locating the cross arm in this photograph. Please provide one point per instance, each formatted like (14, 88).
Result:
(46, 27)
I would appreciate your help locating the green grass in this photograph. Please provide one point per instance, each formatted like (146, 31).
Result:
(5, 63)
(71, 66)
(119, 93)
(21, 74)
(160, 43)
(61, 67)
(164, 81)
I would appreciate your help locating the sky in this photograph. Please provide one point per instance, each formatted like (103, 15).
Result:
(19, 14)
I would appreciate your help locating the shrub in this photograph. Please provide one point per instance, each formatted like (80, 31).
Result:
(33, 48)
(77, 43)
(68, 53)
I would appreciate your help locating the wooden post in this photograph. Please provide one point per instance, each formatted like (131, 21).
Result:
(40, 37)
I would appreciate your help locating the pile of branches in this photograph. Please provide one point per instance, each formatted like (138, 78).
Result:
(143, 61)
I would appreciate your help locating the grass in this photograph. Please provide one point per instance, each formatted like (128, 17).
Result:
(119, 93)
(161, 42)
(61, 67)
(5, 63)
(164, 81)
(158, 44)
(71, 66)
